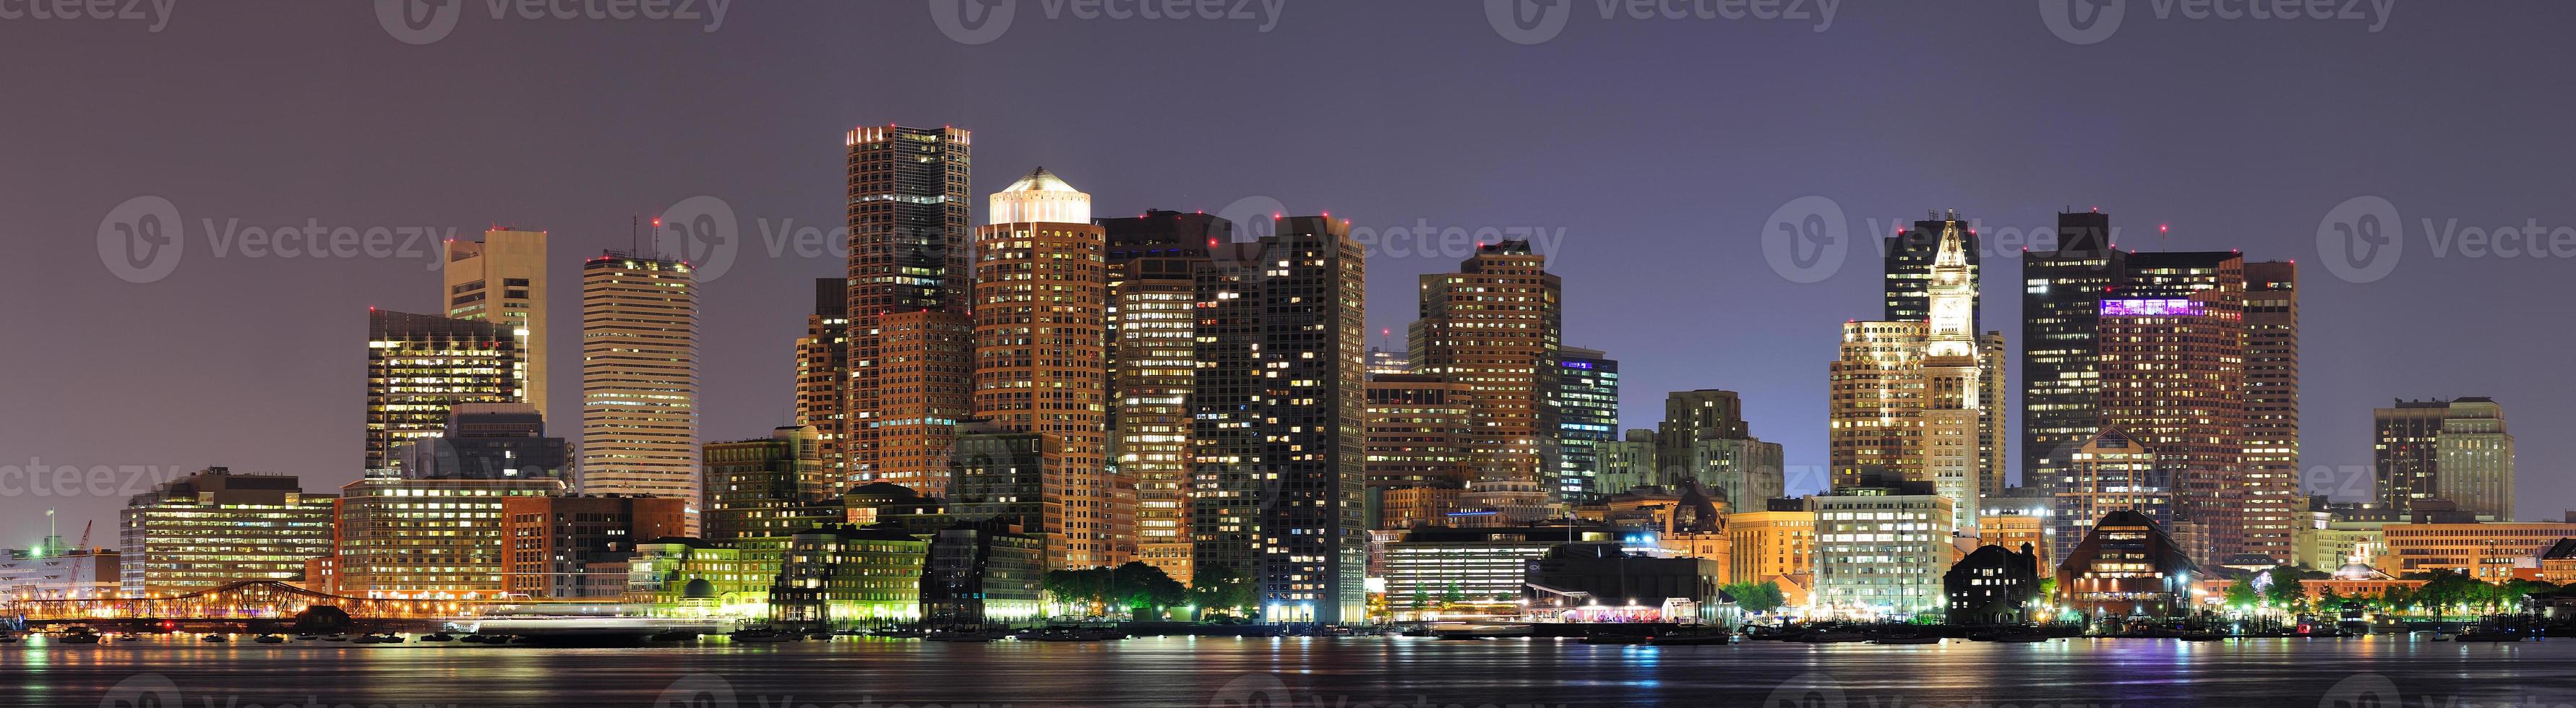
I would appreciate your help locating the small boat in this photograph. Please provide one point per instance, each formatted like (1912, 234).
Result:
(365, 639)
(1692, 639)
(439, 637)
(1614, 639)
(764, 636)
(216, 638)
(6, 638)
(336, 638)
(2441, 636)
(78, 635)
(269, 639)
(306, 637)
(1906, 640)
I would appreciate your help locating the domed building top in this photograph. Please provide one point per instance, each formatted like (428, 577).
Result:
(1040, 198)
(1040, 181)
(2358, 570)
(698, 589)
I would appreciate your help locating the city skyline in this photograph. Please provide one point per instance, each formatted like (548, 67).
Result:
(1611, 263)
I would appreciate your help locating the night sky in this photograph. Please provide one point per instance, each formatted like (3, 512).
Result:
(1658, 149)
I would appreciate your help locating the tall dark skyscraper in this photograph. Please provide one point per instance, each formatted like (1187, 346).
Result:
(823, 374)
(1909, 268)
(1497, 323)
(911, 339)
(2173, 378)
(2060, 374)
(2272, 496)
(418, 366)
(1153, 259)
(1280, 419)
(1587, 403)
(2406, 455)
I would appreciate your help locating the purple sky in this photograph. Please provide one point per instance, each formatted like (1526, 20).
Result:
(1659, 147)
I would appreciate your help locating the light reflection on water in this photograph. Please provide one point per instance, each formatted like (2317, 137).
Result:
(1348, 672)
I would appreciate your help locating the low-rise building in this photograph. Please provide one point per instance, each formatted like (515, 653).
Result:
(1437, 570)
(1774, 543)
(839, 576)
(427, 538)
(2126, 567)
(980, 574)
(1994, 585)
(2488, 552)
(555, 542)
(1880, 551)
(216, 527)
(686, 577)
(1607, 582)
(53, 571)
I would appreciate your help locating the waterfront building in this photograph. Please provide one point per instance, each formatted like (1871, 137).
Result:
(2020, 515)
(1608, 581)
(1880, 551)
(563, 547)
(501, 279)
(216, 527)
(911, 341)
(399, 537)
(771, 486)
(419, 366)
(2126, 567)
(687, 577)
(1994, 585)
(639, 390)
(1280, 423)
(52, 570)
(1434, 572)
(1587, 401)
(487, 441)
(843, 576)
(980, 574)
(1774, 542)
(2487, 551)
(1153, 326)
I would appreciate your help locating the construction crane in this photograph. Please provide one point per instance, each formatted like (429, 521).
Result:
(84, 544)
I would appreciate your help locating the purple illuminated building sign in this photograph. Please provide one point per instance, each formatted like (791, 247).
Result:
(2150, 308)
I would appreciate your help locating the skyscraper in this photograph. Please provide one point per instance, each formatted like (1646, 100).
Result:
(2173, 379)
(1587, 415)
(488, 441)
(2273, 500)
(420, 365)
(1911, 256)
(768, 487)
(911, 339)
(1279, 419)
(2059, 376)
(1704, 438)
(2406, 451)
(823, 374)
(1876, 392)
(1954, 405)
(1420, 428)
(1153, 325)
(1496, 325)
(1994, 420)
(2475, 469)
(639, 412)
(1041, 289)
(502, 279)
(2111, 472)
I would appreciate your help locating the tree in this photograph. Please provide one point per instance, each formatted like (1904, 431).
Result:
(2241, 593)
(1138, 587)
(1764, 596)
(1217, 586)
(2286, 590)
